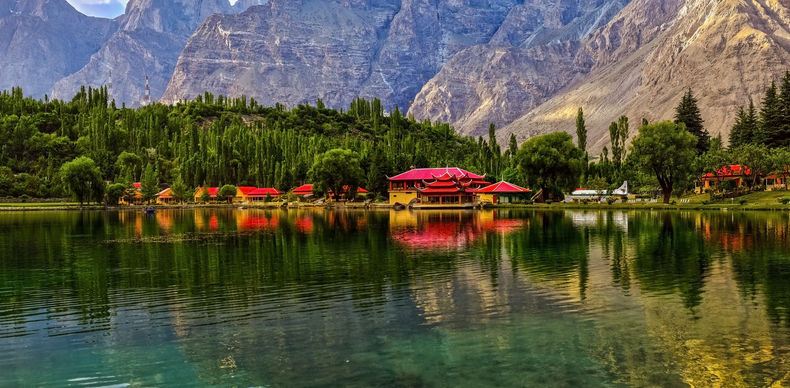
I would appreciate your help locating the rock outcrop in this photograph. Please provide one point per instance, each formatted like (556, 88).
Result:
(299, 51)
(151, 35)
(42, 41)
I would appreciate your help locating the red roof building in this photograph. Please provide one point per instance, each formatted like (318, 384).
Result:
(502, 192)
(262, 194)
(303, 190)
(456, 184)
(449, 189)
(734, 172)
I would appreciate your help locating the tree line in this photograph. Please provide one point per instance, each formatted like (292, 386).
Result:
(48, 147)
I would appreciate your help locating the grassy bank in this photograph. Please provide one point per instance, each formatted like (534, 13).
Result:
(767, 200)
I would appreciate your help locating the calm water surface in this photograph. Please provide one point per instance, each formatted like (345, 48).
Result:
(322, 298)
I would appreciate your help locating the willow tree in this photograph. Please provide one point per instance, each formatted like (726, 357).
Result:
(666, 150)
(551, 163)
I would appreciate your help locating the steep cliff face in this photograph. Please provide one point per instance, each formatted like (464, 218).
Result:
(525, 63)
(42, 41)
(152, 33)
(727, 51)
(298, 51)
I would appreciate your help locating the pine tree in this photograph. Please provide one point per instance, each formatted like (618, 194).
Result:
(745, 130)
(687, 112)
(770, 123)
(784, 106)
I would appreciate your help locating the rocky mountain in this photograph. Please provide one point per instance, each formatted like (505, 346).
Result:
(150, 37)
(299, 51)
(638, 64)
(42, 41)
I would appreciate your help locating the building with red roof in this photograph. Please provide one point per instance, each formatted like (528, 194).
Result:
(135, 197)
(165, 197)
(212, 193)
(303, 190)
(435, 186)
(258, 195)
(503, 192)
(731, 175)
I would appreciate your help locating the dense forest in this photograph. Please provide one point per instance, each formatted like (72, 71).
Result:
(215, 140)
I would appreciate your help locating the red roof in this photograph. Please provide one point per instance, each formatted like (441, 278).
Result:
(137, 185)
(732, 170)
(246, 189)
(264, 192)
(212, 191)
(419, 174)
(166, 193)
(304, 189)
(503, 187)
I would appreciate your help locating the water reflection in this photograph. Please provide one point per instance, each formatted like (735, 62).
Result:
(252, 297)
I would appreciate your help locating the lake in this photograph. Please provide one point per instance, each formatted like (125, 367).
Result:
(221, 297)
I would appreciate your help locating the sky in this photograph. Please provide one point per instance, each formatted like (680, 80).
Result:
(102, 8)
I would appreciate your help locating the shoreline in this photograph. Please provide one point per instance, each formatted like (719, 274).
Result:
(723, 207)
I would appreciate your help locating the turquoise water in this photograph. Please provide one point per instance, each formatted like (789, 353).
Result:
(322, 298)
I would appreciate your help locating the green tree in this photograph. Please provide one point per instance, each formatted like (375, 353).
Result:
(745, 130)
(666, 150)
(129, 166)
(334, 169)
(512, 149)
(513, 175)
(179, 190)
(149, 184)
(757, 161)
(687, 112)
(551, 163)
(114, 193)
(780, 161)
(83, 179)
(770, 123)
(227, 192)
(205, 196)
(581, 131)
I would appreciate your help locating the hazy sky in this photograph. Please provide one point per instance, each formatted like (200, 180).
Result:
(103, 8)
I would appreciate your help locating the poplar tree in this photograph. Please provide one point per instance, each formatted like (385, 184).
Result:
(581, 131)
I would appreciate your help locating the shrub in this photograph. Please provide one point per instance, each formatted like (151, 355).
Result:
(673, 202)
(784, 201)
(549, 202)
(611, 200)
(742, 202)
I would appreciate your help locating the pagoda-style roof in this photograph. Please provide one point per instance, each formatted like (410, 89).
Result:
(449, 184)
(503, 188)
(421, 174)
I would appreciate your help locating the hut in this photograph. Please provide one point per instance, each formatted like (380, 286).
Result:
(503, 192)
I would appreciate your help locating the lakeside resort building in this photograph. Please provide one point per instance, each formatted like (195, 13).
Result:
(503, 192)
(435, 187)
